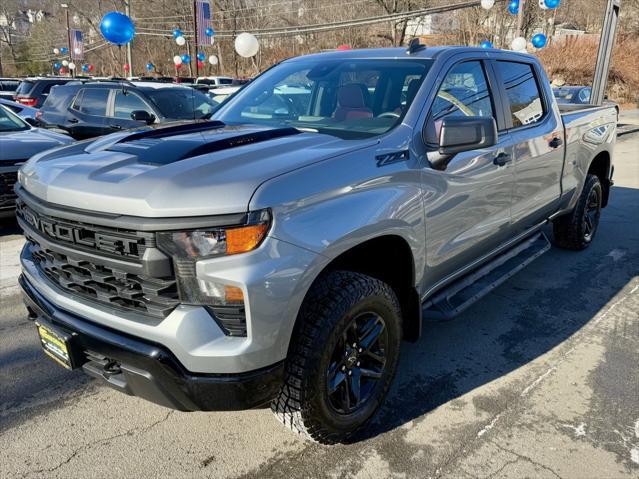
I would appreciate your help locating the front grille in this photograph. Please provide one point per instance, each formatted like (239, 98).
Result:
(152, 296)
(7, 194)
(88, 237)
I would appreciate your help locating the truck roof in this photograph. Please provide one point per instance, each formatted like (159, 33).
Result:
(430, 53)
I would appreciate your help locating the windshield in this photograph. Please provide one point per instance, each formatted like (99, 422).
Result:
(182, 103)
(9, 121)
(345, 98)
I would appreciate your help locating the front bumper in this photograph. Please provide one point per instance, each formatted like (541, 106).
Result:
(150, 371)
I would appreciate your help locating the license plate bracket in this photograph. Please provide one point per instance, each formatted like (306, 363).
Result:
(56, 343)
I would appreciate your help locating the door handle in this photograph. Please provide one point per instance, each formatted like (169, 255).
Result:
(73, 120)
(115, 127)
(556, 142)
(502, 158)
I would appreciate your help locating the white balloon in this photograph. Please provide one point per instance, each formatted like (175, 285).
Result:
(65, 63)
(246, 45)
(76, 50)
(519, 44)
(71, 66)
(180, 41)
(488, 4)
(542, 5)
(56, 51)
(177, 59)
(213, 60)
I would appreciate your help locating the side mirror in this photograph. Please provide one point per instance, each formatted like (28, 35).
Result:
(31, 121)
(143, 115)
(464, 134)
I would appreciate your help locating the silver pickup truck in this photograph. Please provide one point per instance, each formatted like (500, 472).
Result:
(280, 252)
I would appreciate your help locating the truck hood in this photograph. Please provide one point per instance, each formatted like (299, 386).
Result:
(154, 174)
(22, 145)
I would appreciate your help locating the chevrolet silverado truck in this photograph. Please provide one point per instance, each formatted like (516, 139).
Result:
(280, 252)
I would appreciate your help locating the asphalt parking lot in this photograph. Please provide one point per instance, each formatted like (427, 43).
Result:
(540, 379)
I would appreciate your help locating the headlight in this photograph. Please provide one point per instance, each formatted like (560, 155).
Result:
(187, 247)
(207, 243)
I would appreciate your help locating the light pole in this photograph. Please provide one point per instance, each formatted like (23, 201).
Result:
(129, 55)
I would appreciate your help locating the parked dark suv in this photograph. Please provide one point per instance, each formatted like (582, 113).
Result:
(8, 87)
(90, 109)
(34, 91)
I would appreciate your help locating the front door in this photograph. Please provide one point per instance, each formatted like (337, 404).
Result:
(467, 206)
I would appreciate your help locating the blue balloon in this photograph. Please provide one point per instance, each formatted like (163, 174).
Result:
(552, 3)
(186, 58)
(57, 66)
(64, 50)
(150, 66)
(513, 7)
(486, 44)
(117, 28)
(539, 40)
(85, 68)
(201, 56)
(177, 33)
(209, 32)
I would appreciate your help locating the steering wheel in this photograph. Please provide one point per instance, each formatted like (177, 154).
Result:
(388, 114)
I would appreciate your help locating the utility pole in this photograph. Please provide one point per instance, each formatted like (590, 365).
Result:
(604, 55)
(129, 55)
(520, 17)
(66, 10)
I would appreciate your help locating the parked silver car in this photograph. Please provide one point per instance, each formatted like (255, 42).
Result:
(23, 111)
(19, 141)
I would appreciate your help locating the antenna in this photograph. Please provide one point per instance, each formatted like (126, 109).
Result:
(414, 46)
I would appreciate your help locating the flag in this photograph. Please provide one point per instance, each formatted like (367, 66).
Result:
(77, 45)
(203, 15)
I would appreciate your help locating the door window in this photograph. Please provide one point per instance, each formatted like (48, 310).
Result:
(93, 102)
(523, 92)
(463, 93)
(126, 103)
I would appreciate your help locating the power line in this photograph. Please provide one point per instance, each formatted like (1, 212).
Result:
(312, 28)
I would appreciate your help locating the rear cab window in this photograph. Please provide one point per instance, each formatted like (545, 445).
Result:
(524, 95)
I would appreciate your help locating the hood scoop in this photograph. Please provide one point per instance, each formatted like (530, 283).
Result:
(160, 150)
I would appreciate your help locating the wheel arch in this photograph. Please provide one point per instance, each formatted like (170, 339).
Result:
(388, 258)
(600, 167)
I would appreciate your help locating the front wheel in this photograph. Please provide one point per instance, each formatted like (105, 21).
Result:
(577, 229)
(342, 359)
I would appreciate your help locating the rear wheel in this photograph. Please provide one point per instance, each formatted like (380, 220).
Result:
(576, 230)
(342, 359)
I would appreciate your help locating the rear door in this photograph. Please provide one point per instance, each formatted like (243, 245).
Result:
(537, 134)
(88, 113)
(467, 206)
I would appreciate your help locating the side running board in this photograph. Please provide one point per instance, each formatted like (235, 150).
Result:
(462, 293)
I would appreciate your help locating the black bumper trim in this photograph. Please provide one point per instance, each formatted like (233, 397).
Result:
(150, 371)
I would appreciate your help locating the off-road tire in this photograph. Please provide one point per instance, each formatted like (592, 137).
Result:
(570, 230)
(333, 301)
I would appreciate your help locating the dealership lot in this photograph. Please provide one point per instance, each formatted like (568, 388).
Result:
(538, 379)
